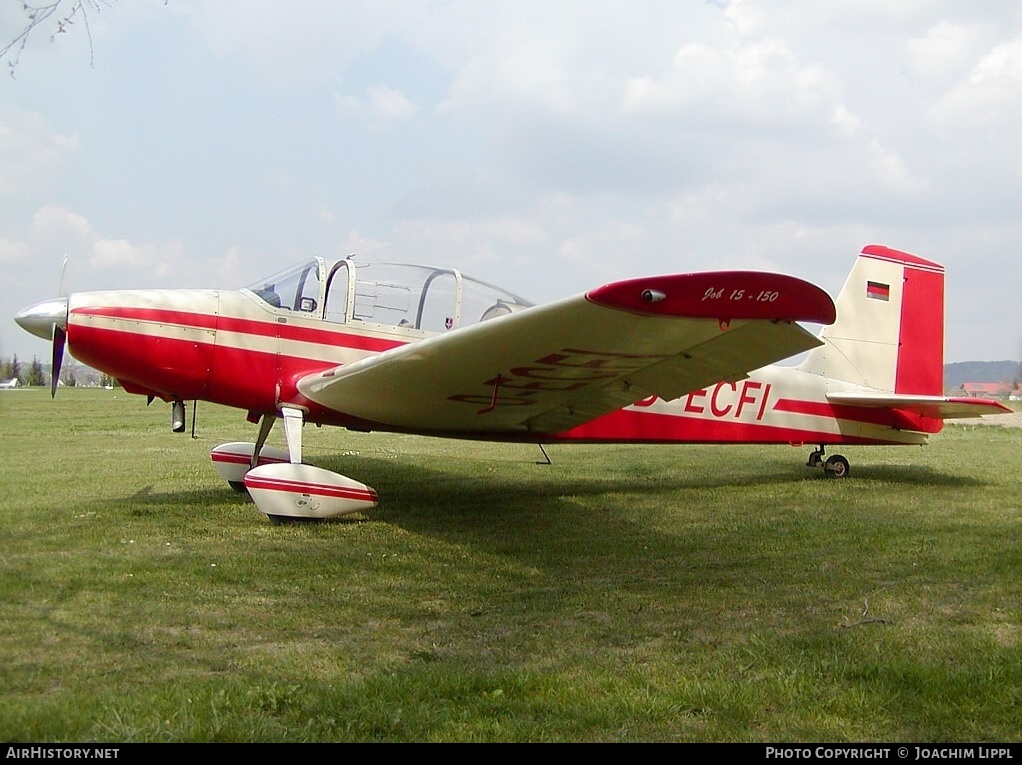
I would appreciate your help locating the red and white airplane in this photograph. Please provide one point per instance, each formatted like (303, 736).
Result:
(681, 358)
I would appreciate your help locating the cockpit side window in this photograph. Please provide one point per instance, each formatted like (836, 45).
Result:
(387, 293)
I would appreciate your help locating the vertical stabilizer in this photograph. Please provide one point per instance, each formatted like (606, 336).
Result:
(889, 333)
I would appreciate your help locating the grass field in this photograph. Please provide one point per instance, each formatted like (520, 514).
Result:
(620, 594)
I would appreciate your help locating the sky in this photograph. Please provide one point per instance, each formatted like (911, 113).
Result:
(547, 147)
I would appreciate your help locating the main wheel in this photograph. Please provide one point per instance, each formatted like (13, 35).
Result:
(836, 467)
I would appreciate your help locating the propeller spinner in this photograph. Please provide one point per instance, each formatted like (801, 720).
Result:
(48, 320)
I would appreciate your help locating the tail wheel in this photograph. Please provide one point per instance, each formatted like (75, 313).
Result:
(836, 467)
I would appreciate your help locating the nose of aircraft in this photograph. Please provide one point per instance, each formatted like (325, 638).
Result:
(39, 319)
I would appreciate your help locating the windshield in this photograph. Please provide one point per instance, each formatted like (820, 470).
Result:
(295, 289)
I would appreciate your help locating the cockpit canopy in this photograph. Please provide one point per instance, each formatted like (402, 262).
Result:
(387, 294)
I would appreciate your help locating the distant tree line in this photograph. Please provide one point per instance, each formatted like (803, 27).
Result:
(71, 375)
(13, 369)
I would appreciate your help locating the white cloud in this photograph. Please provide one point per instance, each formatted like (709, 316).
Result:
(380, 107)
(482, 236)
(55, 224)
(11, 252)
(945, 48)
(31, 152)
(297, 44)
(364, 246)
(890, 170)
(846, 121)
(991, 96)
(115, 253)
(744, 16)
(759, 84)
(58, 230)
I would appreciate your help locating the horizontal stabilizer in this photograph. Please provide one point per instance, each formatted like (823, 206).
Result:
(937, 407)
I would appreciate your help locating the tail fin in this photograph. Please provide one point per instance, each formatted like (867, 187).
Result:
(889, 333)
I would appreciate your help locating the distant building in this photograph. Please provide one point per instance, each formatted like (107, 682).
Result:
(987, 390)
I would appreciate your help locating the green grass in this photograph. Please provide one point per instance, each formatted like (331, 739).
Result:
(621, 594)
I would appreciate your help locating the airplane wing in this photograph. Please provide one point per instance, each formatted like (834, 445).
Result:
(937, 407)
(551, 367)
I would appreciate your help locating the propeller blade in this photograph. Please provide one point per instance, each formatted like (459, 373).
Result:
(59, 340)
(59, 333)
(62, 284)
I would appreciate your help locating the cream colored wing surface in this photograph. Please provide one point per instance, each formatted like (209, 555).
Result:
(552, 367)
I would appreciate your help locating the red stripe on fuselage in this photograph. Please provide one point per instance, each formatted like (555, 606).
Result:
(629, 425)
(260, 328)
(153, 315)
(860, 414)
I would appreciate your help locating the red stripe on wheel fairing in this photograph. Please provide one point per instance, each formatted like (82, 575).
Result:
(315, 489)
(235, 458)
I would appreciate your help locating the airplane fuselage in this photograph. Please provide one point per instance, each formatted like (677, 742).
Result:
(231, 348)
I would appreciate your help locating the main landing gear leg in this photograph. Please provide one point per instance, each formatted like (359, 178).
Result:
(293, 420)
(265, 426)
(835, 466)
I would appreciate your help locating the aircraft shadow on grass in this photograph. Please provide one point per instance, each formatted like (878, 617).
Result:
(551, 523)
(420, 496)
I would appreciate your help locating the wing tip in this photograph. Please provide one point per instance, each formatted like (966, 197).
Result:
(980, 404)
(721, 295)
